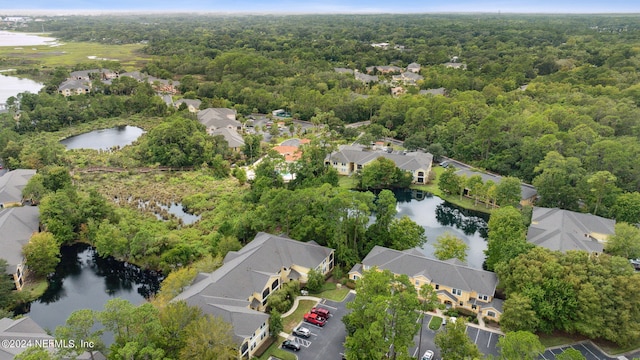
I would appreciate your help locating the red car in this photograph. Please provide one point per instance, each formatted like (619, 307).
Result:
(321, 311)
(315, 319)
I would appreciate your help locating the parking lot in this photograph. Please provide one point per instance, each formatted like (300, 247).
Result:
(588, 350)
(325, 342)
(484, 339)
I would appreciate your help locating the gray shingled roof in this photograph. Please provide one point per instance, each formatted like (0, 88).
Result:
(438, 91)
(564, 230)
(190, 102)
(526, 191)
(218, 117)
(73, 85)
(234, 139)
(25, 329)
(439, 272)
(225, 292)
(12, 183)
(17, 224)
(411, 161)
(366, 78)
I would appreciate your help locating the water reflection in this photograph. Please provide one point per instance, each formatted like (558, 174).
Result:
(104, 139)
(83, 280)
(438, 217)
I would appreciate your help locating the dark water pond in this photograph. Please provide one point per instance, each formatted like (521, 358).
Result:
(105, 139)
(83, 280)
(438, 217)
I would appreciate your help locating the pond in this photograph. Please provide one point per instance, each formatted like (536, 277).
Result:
(12, 86)
(104, 139)
(438, 217)
(24, 39)
(83, 280)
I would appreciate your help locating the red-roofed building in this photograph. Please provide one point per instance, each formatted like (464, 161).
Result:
(290, 153)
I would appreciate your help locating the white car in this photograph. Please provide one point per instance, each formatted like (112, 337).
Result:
(428, 355)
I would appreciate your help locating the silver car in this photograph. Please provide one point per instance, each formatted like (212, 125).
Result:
(302, 331)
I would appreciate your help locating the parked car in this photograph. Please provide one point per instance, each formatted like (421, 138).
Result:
(288, 344)
(321, 311)
(302, 331)
(428, 355)
(314, 319)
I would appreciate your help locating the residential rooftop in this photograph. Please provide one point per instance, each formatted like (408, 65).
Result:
(448, 273)
(565, 230)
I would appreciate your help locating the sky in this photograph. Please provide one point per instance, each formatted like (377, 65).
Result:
(321, 6)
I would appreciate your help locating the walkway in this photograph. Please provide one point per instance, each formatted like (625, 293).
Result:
(297, 300)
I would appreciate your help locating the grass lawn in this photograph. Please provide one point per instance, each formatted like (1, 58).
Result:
(614, 349)
(435, 323)
(72, 53)
(275, 351)
(36, 288)
(347, 182)
(289, 322)
(559, 338)
(464, 202)
(330, 291)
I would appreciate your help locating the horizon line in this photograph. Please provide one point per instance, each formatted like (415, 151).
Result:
(66, 12)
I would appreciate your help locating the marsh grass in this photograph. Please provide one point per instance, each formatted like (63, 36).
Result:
(68, 54)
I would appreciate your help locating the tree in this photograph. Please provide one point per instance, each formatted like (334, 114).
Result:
(382, 173)
(475, 185)
(42, 253)
(34, 190)
(602, 187)
(275, 323)
(454, 343)
(508, 192)
(80, 326)
(518, 314)
(174, 319)
(570, 354)
(315, 281)
(625, 242)
(209, 338)
(627, 208)
(251, 148)
(383, 315)
(35, 353)
(405, 234)
(520, 345)
(449, 246)
(558, 180)
(506, 236)
(449, 182)
(7, 295)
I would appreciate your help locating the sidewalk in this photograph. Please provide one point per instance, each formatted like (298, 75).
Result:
(480, 325)
(297, 300)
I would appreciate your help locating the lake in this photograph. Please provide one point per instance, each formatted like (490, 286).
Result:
(83, 280)
(104, 139)
(24, 39)
(12, 86)
(438, 217)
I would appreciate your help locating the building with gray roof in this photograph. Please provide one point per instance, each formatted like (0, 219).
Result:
(234, 140)
(193, 105)
(239, 289)
(349, 159)
(439, 91)
(456, 284)
(216, 118)
(11, 185)
(528, 193)
(17, 225)
(26, 331)
(74, 87)
(564, 230)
